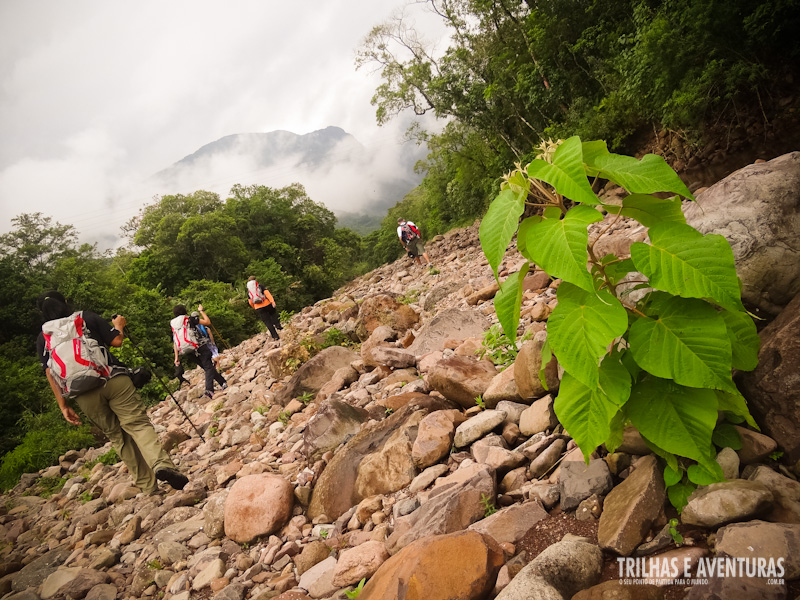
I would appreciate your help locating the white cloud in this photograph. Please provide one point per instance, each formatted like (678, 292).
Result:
(97, 96)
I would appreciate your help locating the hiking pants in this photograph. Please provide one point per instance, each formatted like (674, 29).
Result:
(203, 358)
(269, 315)
(118, 411)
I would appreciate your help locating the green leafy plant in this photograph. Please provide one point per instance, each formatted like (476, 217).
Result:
(306, 397)
(109, 458)
(356, 592)
(488, 505)
(336, 337)
(776, 455)
(213, 430)
(433, 271)
(479, 401)
(283, 417)
(285, 316)
(389, 411)
(292, 363)
(323, 533)
(662, 362)
(261, 409)
(498, 346)
(673, 531)
(85, 497)
(219, 405)
(155, 564)
(409, 297)
(50, 485)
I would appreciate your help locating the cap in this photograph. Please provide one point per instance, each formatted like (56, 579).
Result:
(195, 314)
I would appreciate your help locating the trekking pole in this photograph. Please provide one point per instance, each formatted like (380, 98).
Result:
(216, 333)
(163, 385)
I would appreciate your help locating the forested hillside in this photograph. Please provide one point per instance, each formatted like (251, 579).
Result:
(695, 78)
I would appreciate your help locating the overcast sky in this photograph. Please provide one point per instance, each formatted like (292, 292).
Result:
(96, 96)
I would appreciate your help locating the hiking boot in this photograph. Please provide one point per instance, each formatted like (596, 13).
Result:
(173, 477)
(208, 394)
(224, 386)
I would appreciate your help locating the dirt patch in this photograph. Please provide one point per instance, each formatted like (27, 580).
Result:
(549, 531)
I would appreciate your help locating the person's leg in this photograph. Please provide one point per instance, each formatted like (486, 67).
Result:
(274, 319)
(95, 405)
(267, 319)
(211, 373)
(152, 461)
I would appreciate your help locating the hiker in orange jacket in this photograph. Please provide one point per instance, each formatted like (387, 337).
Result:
(261, 300)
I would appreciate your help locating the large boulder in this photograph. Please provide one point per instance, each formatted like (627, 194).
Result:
(383, 309)
(462, 379)
(316, 373)
(726, 502)
(335, 491)
(459, 566)
(510, 524)
(451, 324)
(455, 503)
(391, 468)
(335, 422)
(257, 505)
(758, 539)
(757, 209)
(773, 388)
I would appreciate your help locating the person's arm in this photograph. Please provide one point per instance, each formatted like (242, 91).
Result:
(70, 415)
(119, 323)
(268, 297)
(205, 320)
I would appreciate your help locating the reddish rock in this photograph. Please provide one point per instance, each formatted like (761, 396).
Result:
(526, 371)
(459, 566)
(435, 437)
(257, 505)
(462, 379)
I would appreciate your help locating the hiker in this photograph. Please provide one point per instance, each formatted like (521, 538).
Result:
(261, 300)
(411, 239)
(73, 350)
(186, 341)
(207, 335)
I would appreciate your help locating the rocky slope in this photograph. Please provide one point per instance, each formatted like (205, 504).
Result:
(372, 461)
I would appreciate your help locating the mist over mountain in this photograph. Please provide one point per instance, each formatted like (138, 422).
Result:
(334, 167)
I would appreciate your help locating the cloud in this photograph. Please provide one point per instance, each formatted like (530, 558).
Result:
(96, 96)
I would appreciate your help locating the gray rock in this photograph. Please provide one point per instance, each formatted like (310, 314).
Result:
(334, 423)
(757, 209)
(728, 460)
(450, 324)
(785, 491)
(103, 591)
(214, 514)
(315, 373)
(547, 459)
(726, 502)
(234, 591)
(758, 539)
(567, 566)
(513, 410)
(33, 574)
(318, 580)
(478, 426)
(578, 481)
(510, 524)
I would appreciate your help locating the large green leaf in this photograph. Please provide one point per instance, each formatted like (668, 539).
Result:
(591, 150)
(559, 245)
(680, 420)
(744, 339)
(649, 210)
(727, 436)
(649, 175)
(508, 300)
(586, 413)
(581, 327)
(734, 403)
(679, 494)
(685, 340)
(684, 262)
(566, 173)
(522, 235)
(499, 225)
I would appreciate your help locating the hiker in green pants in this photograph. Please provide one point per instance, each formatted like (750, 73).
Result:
(73, 349)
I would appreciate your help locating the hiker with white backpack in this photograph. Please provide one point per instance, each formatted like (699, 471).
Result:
(73, 350)
(261, 300)
(187, 342)
(411, 239)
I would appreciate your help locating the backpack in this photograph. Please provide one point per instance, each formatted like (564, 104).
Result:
(255, 292)
(184, 335)
(409, 232)
(78, 362)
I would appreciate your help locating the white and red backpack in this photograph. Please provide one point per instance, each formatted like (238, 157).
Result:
(78, 362)
(255, 292)
(410, 232)
(184, 335)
